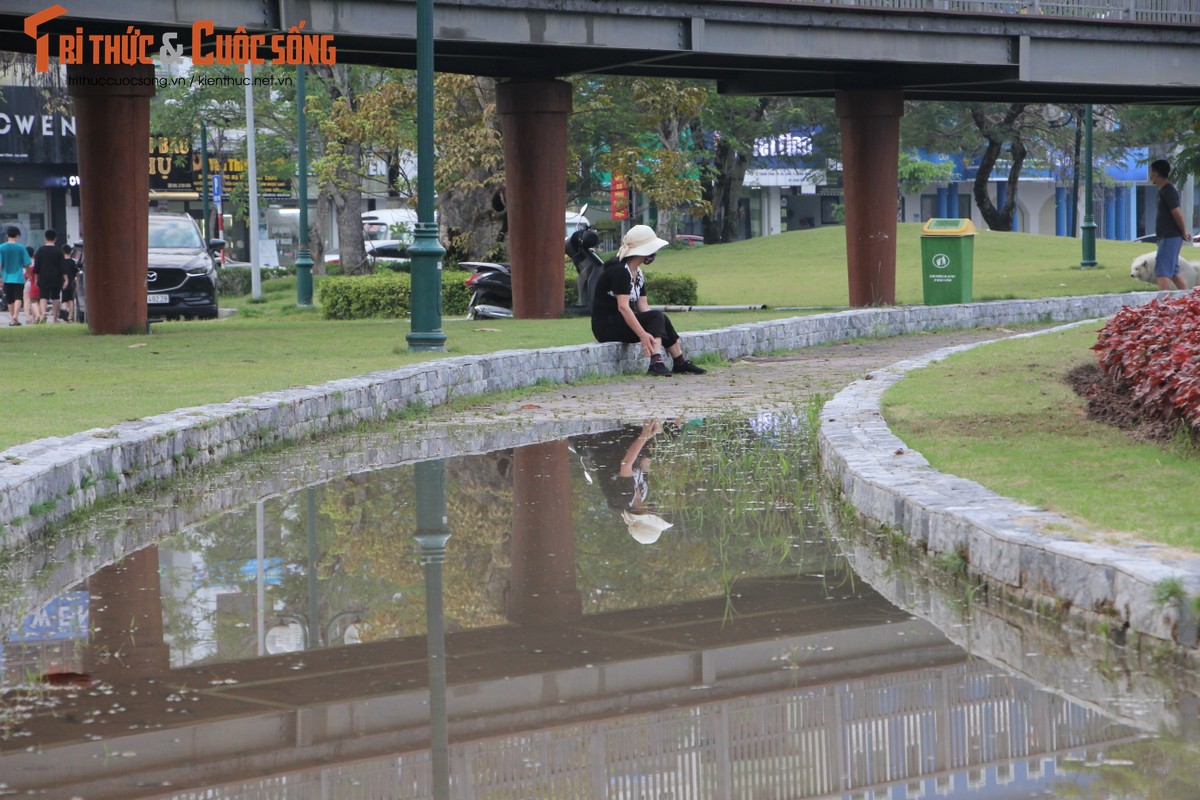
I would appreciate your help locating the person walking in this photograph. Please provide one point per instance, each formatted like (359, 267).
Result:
(70, 270)
(621, 312)
(1169, 228)
(32, 313)
(13, 260)
(50, 274)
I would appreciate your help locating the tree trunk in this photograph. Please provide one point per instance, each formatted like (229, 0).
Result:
(1074, 207)
(472, 212)
(347, 205)
(473, 223)
(996, 133)
(722, 192)
(324, 215)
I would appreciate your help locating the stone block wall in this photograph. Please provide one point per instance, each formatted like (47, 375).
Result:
(46, 480)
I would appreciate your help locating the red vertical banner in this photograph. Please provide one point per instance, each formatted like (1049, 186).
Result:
(619, 198)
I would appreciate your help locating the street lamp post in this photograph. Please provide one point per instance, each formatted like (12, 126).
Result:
(432, 534)
(304, 262)
(426, 252)
(1088, 229)
(205, 187)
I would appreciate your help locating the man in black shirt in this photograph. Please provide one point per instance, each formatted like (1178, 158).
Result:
(1169, 228)
(50, 273)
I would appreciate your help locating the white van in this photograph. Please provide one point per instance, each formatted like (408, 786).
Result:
(378, 224)
(574, 219)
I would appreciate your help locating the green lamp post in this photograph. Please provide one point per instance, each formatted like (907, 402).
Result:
(304, 262)
(429, 478)
(426, 252)
(205, 187)
(1088, 228)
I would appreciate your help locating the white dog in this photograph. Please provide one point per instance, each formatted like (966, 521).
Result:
(1143, 270)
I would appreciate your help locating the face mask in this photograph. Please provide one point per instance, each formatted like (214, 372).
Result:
(649, 260)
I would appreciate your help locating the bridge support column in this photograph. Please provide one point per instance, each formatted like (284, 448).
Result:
(542, 585)
(870, 123)
(534, 119)
(112, 108)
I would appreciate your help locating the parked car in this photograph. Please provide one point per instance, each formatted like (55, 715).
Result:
(377, 250)
(181, 279)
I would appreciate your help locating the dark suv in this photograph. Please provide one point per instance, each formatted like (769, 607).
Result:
(181, 281)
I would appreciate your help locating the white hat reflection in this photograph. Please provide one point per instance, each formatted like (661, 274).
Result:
(646, 528)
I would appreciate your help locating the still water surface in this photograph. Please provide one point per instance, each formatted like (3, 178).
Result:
(650, 611)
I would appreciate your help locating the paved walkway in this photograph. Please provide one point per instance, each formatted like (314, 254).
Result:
(755, 383)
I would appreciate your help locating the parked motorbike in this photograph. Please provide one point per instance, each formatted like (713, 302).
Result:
(491, 290)
(491, 283)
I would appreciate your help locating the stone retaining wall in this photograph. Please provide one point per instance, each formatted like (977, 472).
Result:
(1041, 558)
(46, 480)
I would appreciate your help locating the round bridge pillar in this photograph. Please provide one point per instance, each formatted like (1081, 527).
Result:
(870, 126)
(112, 109)
(125, 617)
(542, 585)
(534, 120)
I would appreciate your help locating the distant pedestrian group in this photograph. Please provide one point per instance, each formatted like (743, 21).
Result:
(34, 279)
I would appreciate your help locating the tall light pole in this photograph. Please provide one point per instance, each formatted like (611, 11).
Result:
(426, 252)
(252, 186)
(304, 262)
(1088, 229)
(429, 478)
(206, 188)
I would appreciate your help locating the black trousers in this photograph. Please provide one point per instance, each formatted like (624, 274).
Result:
(612, 328)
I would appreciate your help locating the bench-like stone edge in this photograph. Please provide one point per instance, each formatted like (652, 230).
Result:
(44, 481)
(1035, 555)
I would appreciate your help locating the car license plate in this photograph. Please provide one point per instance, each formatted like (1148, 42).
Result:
(158, 298)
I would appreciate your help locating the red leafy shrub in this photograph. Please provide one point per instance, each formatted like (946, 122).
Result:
(1154, 350)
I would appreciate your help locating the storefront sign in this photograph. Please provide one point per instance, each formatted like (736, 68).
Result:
(31, 132)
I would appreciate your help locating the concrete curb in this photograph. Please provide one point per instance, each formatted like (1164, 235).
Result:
(42, 482)
(1038, 557)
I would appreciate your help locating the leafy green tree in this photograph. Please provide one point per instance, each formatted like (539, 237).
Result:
(1166, 129)
(657, 155)
(219, 101)
(469, 171)
(729, 127)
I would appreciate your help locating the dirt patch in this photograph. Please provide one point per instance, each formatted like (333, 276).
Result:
(1113, 403)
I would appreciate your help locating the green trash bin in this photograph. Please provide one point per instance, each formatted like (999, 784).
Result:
(947, 261)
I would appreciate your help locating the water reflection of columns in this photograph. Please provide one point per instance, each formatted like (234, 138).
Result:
(125, 616)
(432, 534)
(542, 586)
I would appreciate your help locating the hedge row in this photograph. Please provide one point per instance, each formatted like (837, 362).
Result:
(387, 294)
(1154, 350)
(236, 281)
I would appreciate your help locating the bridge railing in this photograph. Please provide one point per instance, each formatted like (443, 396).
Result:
(1179, 12)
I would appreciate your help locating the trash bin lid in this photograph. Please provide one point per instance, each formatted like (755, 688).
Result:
(948, 227)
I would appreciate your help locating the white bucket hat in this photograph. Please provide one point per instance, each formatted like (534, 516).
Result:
(646, 528)
(641, 241)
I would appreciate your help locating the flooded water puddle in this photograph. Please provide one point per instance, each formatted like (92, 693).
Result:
(637, 611)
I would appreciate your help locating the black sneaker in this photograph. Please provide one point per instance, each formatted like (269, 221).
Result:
(683, 366)
(659, 369)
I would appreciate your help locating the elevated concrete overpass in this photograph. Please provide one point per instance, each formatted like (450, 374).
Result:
(859, 692)
(868, 54)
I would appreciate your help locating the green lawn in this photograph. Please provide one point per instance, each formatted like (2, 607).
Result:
(1002, 415)
(808, 268)
(61, 380)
